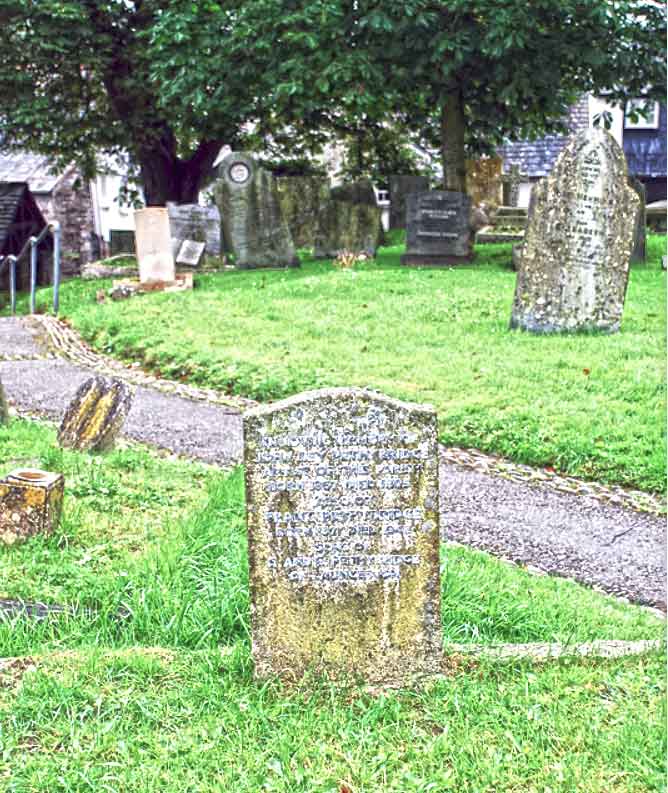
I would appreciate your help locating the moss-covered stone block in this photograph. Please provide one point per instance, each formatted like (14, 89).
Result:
(96, 414)
(31, 503)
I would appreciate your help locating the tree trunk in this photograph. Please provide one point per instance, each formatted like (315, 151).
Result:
(452, 142)
(165, 177)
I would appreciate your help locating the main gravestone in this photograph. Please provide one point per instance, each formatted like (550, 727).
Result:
(438, 229)
(343, 531)
(254, 229)
(574, 266)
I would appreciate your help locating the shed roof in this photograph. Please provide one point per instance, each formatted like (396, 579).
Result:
(21, 166)
(15, 196)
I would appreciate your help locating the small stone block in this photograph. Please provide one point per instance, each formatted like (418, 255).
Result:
(343, 531)
(190, 253)
(31, 503)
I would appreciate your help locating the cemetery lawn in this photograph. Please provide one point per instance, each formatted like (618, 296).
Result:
(589, 405)
(148, 684)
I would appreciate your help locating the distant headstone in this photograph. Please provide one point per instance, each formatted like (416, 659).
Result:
(511, 186)
(575, 257)
(4, 410)
(349, 221)
(639, 232)
(95, 415)
(301, 198)
(343, 530)
(154, 245)
(438, 231)
(401, 187)
(254, 228)
(198, 223)
(190, 253)
(483, 181)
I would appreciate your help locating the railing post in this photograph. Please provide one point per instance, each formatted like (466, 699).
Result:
(12, 282)
(33, 272)
(55, 230)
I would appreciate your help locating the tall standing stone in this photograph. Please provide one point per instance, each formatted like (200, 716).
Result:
(401, 187)
(438, 229)
(574, 265)
(254, 229)
(95, 415)
(343, 532)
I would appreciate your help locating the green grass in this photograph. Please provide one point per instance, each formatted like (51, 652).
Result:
(149, 685)
(589, 405)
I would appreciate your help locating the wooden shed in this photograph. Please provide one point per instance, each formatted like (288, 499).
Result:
(20, 219)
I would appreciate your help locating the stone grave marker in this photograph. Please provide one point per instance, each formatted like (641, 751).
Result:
(95, 415)
(31, 502)
(401, 186)
(195, 222)
(301, 199)
(349, 221)
(574, 266)
(153, 240)
(343, 531)
(254, 228)
(190, 253)
(438, 230)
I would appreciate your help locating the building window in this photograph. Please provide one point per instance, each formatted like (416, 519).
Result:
(652, 120)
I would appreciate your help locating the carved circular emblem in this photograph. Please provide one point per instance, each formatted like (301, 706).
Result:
(239, 173)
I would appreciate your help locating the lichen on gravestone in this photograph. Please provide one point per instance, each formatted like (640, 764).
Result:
(95, 415)
(574, 267)
(343, 532)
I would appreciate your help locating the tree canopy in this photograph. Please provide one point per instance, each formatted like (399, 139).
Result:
(171, 81)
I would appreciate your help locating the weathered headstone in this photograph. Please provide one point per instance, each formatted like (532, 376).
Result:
(438, 230)
(639, 233)
(511, 186)
(254, 228)
(575, 257)
(95, 415)
(195, 222)
(483, 181)
(343, 532)
(31, 502)
(401, 187)
(301, 198)
(349, 221)
(190, 253)
(153, 240)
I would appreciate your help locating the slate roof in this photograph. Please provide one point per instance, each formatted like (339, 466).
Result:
(20, 166)
(536, 157)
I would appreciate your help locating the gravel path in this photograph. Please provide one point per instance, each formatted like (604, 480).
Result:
(620, 550)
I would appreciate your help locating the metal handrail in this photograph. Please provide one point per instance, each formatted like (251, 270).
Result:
(31, 245)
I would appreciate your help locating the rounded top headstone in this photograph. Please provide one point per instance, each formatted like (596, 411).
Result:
(237, 169)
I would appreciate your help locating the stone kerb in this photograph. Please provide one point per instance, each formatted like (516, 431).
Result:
(343, 533)
(574, 267)
(254, 228)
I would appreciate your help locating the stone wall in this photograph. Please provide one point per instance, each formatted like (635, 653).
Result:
(71, 204)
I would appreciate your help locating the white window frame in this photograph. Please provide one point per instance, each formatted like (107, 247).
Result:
(642, 123)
